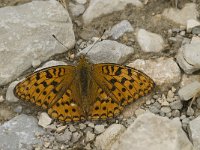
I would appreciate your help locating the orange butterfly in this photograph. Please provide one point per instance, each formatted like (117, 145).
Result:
(84, 92)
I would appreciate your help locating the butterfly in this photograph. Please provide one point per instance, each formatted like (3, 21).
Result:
(85, 91)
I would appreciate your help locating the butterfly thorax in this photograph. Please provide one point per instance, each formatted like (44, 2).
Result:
(83, 75)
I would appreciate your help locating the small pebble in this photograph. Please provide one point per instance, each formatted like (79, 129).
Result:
(182, 117)
(155, 97)
(190, 111)
(18, 109)
(82, 126)
(185, 121)
(169, 114)
(1, 99)
(72, 128)
(65, 137)
(166, 109)
(90, 124)
(148, 102)
(76, 136)
(44, 120)
(154, 109)
(89, 136)
(176, 105)
(99, 129)
(176, 113)
(61, 129)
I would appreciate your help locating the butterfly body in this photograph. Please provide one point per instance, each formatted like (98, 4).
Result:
(85, 91)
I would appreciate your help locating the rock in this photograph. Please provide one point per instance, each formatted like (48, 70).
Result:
(1, 99)
(91, 124)
(108, 51)
(119, 29)
(89, 136)
(51, 63)
(198, 102)
(72, 128)
(65, 137)
(154, 109)
(44, 120)
(76, 9)
(195, 39)
(188, 91)
(76, 136)
(163, 133)
(109, 136)
(187, 79)
(196, 30)
(139, 112)
(191, 23)
(161, 70)
(188, 57)
(190, 111)
(82, 126)
(18, 109)
(81, 1)
(99, 129)
(36, 63)
(98, 8)
(26, 38)
(176, 105)
(165, 109)
(176, 113)
(6, 114)
(147, 40)
(10, 97)
(61, 129)
(189, 11)
(19, 133)
(194, 129)
(186, 121)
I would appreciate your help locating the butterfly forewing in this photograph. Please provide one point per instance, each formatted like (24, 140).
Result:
(49, 88)
(123, 84)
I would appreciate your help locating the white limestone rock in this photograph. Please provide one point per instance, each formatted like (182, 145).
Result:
(161, 70)
(98, 8)
(151, 132)
(26, 35)
(189, 11)
(147, 40)
(109, 136)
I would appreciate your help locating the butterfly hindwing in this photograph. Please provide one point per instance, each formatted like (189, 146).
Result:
(123, 84)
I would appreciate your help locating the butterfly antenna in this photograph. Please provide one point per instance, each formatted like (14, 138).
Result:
(95, 42)
(60, 42)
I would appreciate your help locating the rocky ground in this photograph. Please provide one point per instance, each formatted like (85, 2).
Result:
(156, 37)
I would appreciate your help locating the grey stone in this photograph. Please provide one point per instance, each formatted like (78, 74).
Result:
(109, 136)
(76, 9)
(190, 111)
(166, 109)
(76, 136)
(65, 137)
(163, 133)
(194, 129)
(119, 29)
(198, 102)
(176, 105)
(161, 70)
(18, 109)
(154, 109)
(98, 8)
(188, 91)
(189, 11)
(99, 129)
(82, 126)
(176, 113)
(147, 40)
(108, 51)
(81, 1)
(196, 30)
(26, 38)
(1, 99)
(188, 57)
(72, 128)
(19, 133)
(89, 136)
(191, 23)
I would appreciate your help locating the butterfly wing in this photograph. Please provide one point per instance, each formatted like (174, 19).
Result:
(120, 84)
(50, 89)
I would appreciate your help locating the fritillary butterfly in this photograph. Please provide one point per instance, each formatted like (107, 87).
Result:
(84, 92)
